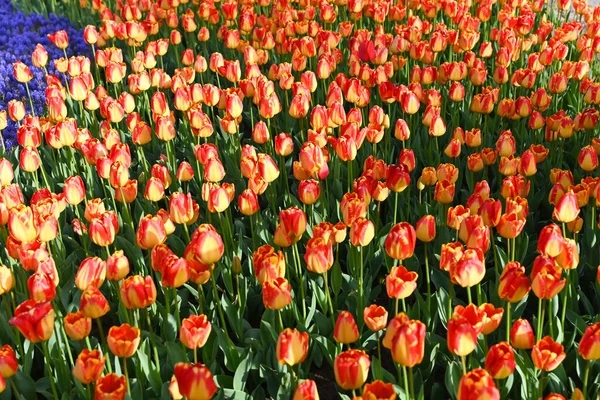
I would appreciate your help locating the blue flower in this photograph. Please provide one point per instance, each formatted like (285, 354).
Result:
(19, 34)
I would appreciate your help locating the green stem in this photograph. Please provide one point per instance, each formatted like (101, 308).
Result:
(508, 322)
(463, 360)
(49, 369)
(153, 340)
(411, 381)
(296, 256)
(428, 277)
(585, 378)
(469, 295)
(565, 299)
(406, 387)
(126, 376)
(219, 306)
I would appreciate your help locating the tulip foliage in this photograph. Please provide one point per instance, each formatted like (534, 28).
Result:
(350, 199)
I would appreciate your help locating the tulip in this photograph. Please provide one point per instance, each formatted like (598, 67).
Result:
(408, 343)
(138, 292)
(292, 347)
(309, 191)
(8, 361)
(151, 232)
(351, 369)
(91, 272)
(521, 335)
(550, 241)
(93, 304)
(491, 317)
(35, 320)
(104, 228)
(7, 279)
(400, 242)
(306, 390)
(276, 293)
(469, 270)
(123, 340)
(400, 283)
(362, 232)
(318, 255)
(514, 284)
(195, 381)
(21, 225)
(194, 331)
(547, 354)
(117, 266)
(77, 326)
(462, 336)
(208, 245)
(268, 264)
(500, 361)
(567, 209)
(589, 345)
(89, 366)
(379, 390)
(346, 330)
(110, 387)
(477, 385)
(546, 279)
(375, 317)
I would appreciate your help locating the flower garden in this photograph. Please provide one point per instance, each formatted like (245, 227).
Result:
(274, 199)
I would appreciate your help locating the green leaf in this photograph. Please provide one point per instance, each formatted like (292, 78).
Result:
(25, 385)
(242, 371)
(175, 353)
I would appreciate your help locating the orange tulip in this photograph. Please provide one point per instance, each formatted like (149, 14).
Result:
(351, 369)
(521, 335)
(346, 330)
(546, 279)
(375, 317)
(500, 361)
(110, 387)
(195, 381)
(89, 366)
(93, 304)
(138, 292)
(462, 336)
(378, 390)
(514, 284)
(477, 385)
(589, 345)
(123, 341)
(547, 354)
(35, 320)
(276, 293)
(195, 331)
(77, 326)
(268, 264)
(400, 242)
(292, 347)
(91, 272)
(306, 390)
(400, 283)
(8, 361)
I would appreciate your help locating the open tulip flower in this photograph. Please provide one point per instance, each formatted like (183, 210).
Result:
(238, 199)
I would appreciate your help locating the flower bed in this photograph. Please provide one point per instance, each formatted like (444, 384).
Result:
(274, 200)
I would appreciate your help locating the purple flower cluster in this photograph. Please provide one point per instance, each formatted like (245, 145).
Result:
(19, 34)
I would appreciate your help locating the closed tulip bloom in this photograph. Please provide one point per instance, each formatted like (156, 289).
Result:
(546, 279)
(351, 369)
(309, 191)
(589, 345)
(408, 343)
(400, 283)
(292, 347)
(514, 283)
(397, 178)
(92, 271)
(104, 228)
(550, 241)
(293, 223)
(35, 320)
(89, 366)
(400, 242)
(567, 209)
(151, 232)
(276, 293)
(248, 202)
(521, 335)
(375, 317)
(444, 192)
(500, 360)
(41, 287)
(123, 340)
(77, 326)
(588, 159)
(195, 381)
(8, 361)
(492, 317)
(21, 224)
(318, 255)
(7, 280)
(74, 190)
(175, 272)
(426, 229)
(117, 266)
(138, 292)
(306, 390)
(362, 232)
(209, 247)
(462, 336)
(352, 207)
(181, 207)
(469, 270)
(93, 304)
(510, 225)
(155, 190)
(477, 385)
(346, 330)
(268, 264)
(195, 331)
(547, 354)
(110, 387)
